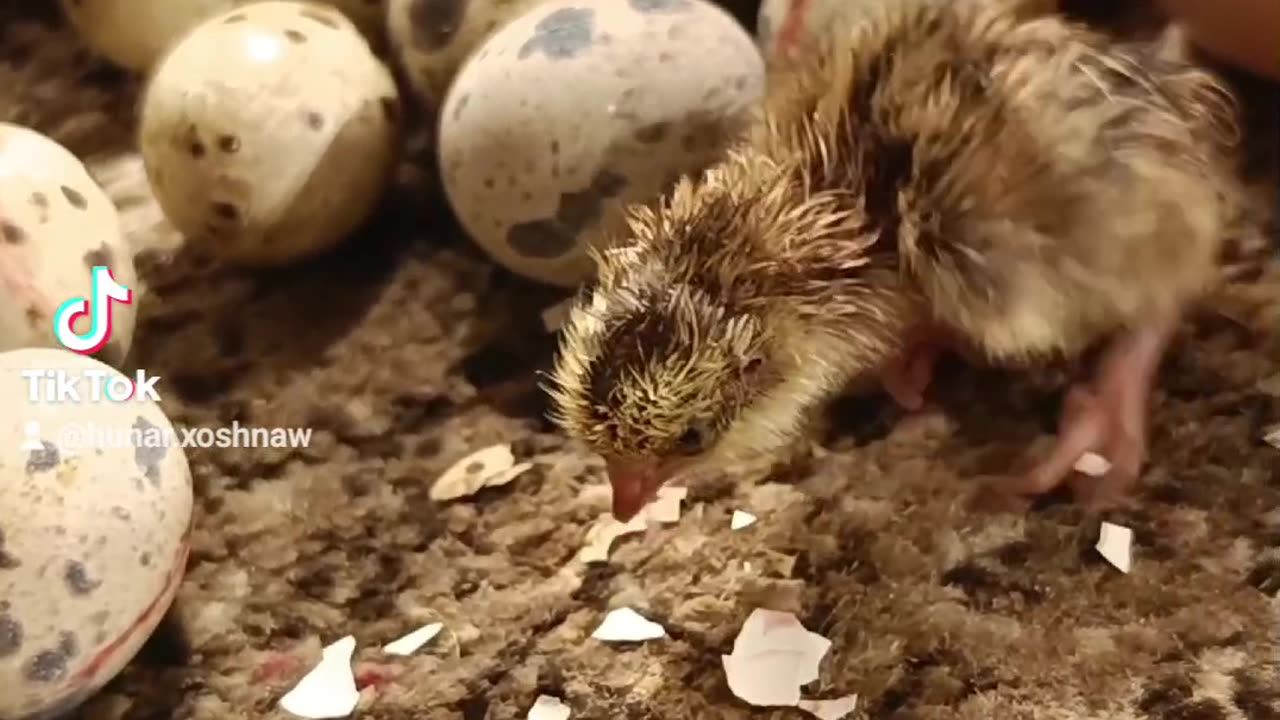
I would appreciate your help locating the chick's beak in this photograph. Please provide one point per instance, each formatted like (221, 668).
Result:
(634, 484)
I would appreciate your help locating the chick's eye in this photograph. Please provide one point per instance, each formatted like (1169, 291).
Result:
(692, 440)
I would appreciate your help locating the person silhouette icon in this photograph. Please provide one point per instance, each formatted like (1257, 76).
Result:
(31, 436)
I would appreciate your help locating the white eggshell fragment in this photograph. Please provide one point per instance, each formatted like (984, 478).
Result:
(411, 643)
(432, 38)
(834, 709)
(473, 472)
(270, 132)
(134, 34)
(627, 625)
(56, 223)
(1115, 544)
(329, 691)
(95, 515)
(577, 109)
(741, 519)
(549, 708)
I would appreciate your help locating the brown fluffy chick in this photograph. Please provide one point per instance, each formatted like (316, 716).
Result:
(1021, 185)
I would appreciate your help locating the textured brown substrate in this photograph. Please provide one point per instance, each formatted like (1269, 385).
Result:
(406, 350)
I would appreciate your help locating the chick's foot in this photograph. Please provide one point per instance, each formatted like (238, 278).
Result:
(907, 377)
(1109, 418)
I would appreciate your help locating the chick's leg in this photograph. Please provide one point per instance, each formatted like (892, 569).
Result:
(1108, 417)
(906, 377)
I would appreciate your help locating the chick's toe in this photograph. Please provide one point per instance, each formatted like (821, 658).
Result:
(907, 376)
(1108, 417)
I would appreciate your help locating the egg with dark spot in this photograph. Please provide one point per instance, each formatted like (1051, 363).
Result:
(56, 225)
(77, 603)
(301, 124)
(585, 108)
(134, 34)
(432, 38)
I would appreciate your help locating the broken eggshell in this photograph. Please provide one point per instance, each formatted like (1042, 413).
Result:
(56, 224)
(1092, 464)
(664, 509)
(598, 542)
(576, 109)
(833, 709)
(414, 641)
(493, 466)
(95, 515)
(1271, 437)
(329, 691)
(549, 708)
(270, 132)
(627, 625)
(773, 656)
(1115, 545)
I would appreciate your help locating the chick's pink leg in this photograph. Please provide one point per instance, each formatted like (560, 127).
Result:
(906, 377)
(1108, 417)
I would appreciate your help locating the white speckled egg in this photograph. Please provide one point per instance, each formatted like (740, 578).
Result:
(134, 34)
(432, 38)
(56, 223)
(578, 108)
(94, 528)
(270, 132)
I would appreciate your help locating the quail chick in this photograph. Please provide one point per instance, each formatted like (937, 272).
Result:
(953, 170)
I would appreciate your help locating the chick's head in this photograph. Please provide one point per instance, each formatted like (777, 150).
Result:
(652, 375)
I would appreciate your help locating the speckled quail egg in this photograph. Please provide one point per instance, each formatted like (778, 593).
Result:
(578, 108)
(134, 34)
(56, 224)
(94, 528)
(270, 132)
(432, 38)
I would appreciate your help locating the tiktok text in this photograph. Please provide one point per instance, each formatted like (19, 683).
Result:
(77, 386)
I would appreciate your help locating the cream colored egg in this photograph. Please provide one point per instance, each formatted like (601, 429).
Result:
(56, 224)
(270, 132)
(432, 38)
(576, 109)
(95, 514)
(134, 34)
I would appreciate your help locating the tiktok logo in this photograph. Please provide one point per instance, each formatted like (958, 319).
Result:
(105, 290)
